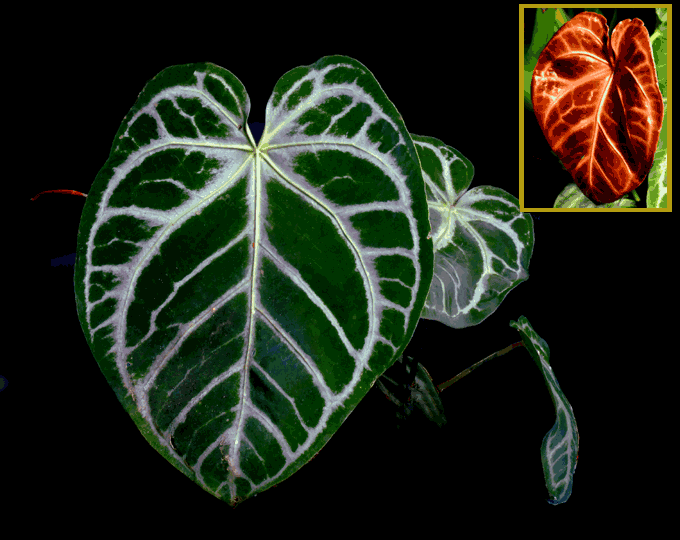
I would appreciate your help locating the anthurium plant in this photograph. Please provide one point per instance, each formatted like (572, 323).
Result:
(241, 296)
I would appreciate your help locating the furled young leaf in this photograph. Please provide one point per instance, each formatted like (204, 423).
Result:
(242, 298)
(559, 451)
(482, 241)
(598, 102)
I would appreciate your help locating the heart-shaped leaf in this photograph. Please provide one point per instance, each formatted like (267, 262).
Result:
(482, 241)
(598, 103)
(242, 298)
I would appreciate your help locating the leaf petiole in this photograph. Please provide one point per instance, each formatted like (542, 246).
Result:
(465, 372)
(67, 191)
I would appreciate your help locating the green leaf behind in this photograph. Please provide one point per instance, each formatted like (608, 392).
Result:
(482, 241)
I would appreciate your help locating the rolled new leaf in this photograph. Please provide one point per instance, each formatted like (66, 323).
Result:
(559, 451)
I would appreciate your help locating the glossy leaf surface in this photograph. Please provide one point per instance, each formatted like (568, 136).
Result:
(559, 451)
(242, 298)
(482, 241)
(598, 103)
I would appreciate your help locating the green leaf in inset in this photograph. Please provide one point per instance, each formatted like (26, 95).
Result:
(572, 197)
(242, 298)
(657, 193)
(482, 241)
(559, 451)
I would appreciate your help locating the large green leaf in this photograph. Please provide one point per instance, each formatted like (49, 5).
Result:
(559, 451)
(242, 298)
(482, 241)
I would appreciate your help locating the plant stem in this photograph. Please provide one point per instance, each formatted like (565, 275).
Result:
(66, 191)
(463, 373)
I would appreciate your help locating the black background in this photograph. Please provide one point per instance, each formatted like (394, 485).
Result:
(595, 284)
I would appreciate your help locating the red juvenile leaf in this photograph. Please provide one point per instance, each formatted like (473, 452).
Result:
(598, 103)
